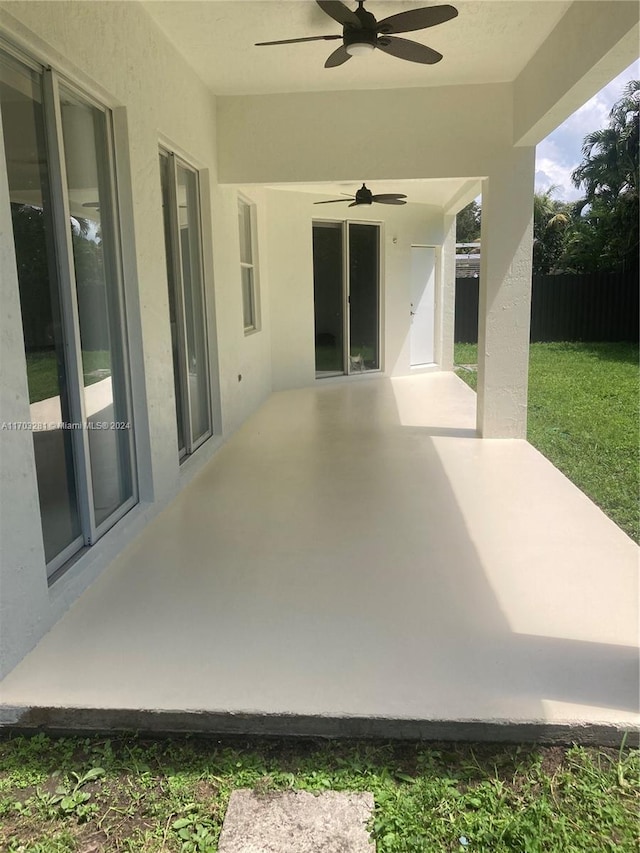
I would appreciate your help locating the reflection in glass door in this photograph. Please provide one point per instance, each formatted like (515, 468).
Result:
(363, 297)
(346, 278)
(328, 297)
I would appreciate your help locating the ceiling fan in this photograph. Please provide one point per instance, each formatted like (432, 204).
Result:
(361, 33)
(365, 196)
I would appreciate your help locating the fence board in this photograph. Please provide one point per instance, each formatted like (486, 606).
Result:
(590, 307)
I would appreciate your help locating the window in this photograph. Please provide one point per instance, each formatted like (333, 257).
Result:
(58, 148)
(183, 245)
(247, 265)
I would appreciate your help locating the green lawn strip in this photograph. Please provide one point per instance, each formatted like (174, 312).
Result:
(466, 353)
(42, 375)
(128, 794)
(42, 372)
(583, 415)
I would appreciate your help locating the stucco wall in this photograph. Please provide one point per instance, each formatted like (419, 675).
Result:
(242, 355)
(115, 52)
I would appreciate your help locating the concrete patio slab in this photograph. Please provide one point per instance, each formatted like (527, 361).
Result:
(297, 822)
(356, 561)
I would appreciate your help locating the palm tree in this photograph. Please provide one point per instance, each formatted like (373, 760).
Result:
(606, 233)
(610, 155)
(551, 219)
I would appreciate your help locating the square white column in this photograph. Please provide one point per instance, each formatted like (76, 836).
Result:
(505, 296)
(446, 298)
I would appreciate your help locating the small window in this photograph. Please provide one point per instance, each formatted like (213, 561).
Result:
(247, 265)
(187, 312)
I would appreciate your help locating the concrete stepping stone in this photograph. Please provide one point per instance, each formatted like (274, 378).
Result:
(297, 822)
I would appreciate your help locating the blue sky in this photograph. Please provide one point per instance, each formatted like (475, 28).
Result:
(559, 154)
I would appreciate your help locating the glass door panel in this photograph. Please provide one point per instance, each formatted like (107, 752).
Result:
(192, 282)
(364, 301)
(174, 302)
(328, 293)
(25, 145)
(84, 130)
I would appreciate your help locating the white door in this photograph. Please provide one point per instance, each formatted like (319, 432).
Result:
(423, 288)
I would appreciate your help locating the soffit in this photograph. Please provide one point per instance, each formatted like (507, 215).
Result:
(489, 42)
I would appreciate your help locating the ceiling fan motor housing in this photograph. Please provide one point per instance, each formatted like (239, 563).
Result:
(364, 196)
(365, 34)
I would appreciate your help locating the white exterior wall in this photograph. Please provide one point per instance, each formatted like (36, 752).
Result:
(290, 269)
(115, 52)
(243, 355)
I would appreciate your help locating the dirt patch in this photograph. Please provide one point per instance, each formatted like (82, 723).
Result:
(553, 760)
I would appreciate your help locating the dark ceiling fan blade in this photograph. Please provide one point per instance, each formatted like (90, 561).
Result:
(338, 57)
(412, 51)
(388, 196)
(379, 200)
(334, 200)
(354, 204)
(340, 13)
(416, 19)
(295, 41)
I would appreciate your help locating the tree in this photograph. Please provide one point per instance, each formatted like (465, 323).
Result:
(468, 223)
(551, 220)
(605, 234)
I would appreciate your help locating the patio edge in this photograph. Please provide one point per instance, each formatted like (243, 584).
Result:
(69, 721)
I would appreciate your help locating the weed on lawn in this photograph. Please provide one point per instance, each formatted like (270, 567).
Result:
(88, 795)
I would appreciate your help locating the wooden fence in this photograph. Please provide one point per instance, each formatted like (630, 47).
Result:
(592, 307)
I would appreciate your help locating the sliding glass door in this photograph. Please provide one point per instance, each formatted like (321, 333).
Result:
(58, 145)
(346, 273)
(187, 312)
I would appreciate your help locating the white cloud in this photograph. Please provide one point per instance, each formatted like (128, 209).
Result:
(552, 174)
(559, 154)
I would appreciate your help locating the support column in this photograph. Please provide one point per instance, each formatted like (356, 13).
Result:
(505, 296)
(446, 298)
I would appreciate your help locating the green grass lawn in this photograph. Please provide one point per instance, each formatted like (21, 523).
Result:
(125, 794)
(42, 372)
(583, 415)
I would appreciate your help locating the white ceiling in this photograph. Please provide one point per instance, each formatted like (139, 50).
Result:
(489, 41)
(438, 192)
